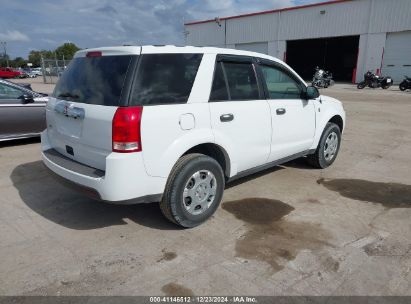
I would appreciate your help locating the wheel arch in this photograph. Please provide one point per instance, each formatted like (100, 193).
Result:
(330, 115)
(338, 120)
(214, 151)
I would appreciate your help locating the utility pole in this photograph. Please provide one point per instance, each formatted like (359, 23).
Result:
(4, 44)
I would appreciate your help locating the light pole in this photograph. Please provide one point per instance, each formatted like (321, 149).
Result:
(4, 44)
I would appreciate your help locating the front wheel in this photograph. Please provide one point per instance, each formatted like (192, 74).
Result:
(361, 85)
(193, 191)
(328, 147)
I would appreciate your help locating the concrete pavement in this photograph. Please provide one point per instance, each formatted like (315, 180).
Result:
(290, 230)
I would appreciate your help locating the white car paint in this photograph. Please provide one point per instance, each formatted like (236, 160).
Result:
(255, 138)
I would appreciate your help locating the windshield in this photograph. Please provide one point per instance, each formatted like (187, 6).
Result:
(94, 80)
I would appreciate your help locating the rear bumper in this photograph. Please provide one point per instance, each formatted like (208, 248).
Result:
(124, 181)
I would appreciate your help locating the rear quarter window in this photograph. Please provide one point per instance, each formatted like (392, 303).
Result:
(165, 78)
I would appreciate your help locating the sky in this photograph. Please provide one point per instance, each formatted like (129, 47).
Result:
(40, 24)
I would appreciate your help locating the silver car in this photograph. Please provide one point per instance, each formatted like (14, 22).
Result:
(22, 111)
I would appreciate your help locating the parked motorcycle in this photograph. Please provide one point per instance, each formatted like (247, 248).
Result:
(322, 78)
(406, 84)
(374, 81)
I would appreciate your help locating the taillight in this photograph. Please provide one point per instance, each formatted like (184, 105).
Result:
(126, 129)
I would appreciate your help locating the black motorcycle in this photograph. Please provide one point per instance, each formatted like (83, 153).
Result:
(406, 84)
(322, 78)
(374, 81)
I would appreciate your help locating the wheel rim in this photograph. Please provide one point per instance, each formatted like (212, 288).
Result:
(331, 146)
(199, 192)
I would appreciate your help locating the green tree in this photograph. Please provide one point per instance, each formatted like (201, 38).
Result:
(66, 51)
(18, 62)
(3, 60)
(35, 57)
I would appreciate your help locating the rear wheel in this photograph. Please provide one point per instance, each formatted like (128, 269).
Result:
(361, 85)
(403, 86)
(328, 147)
(193, 191)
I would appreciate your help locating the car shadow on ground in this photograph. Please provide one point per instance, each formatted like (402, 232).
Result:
(251, 177)
(46, 196)
(299, 163)
(19, 142)
(42, 193)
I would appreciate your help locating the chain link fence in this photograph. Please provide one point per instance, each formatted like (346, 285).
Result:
(52, 69)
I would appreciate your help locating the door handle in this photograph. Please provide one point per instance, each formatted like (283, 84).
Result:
(280, 111)
(226, 117)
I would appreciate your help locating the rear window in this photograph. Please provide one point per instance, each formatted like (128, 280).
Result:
(94, 80)
(165, 78)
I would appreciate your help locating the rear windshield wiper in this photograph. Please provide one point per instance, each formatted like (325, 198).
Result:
(68, 95)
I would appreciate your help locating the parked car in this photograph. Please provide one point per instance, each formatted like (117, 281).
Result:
(37, 71)
(32, 75)
(29, 73)
(174, 124)
(22, 111)
(10, 73)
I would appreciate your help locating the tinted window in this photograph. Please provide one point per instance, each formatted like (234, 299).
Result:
(242, 81)
(7, 92)
(94, 80)
(165, 78)
(219, 88)
(279, 84)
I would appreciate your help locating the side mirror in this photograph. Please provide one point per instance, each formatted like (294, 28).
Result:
(27, 98)
(312, 93)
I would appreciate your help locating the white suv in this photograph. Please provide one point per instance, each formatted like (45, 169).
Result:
(173, 124)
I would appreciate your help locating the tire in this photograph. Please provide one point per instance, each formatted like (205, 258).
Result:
(361, 85)
(403, 86)
(188, 174)
(319, 158)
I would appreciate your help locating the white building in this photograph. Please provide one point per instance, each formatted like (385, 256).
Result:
(348, 37)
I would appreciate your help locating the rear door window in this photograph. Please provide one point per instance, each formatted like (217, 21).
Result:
(94, 80)
(165, 78)
(242, 81)
(219, 89)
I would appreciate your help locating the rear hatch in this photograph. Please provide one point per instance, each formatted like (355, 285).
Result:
(84, 101)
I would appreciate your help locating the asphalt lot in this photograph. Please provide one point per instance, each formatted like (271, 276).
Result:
(291, 230)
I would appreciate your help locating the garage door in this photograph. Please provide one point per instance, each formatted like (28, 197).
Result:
(397, 56)
(259, 47)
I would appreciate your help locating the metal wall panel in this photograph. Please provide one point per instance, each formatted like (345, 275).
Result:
(252, 29)
(397, 56)
(390, 16)
(343, 19)
(371, 19)
(206, 34)
(259, 47)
